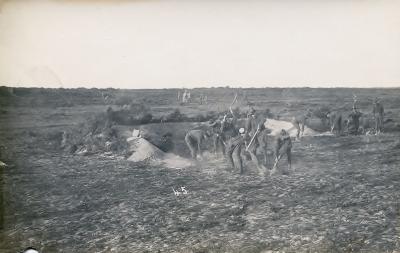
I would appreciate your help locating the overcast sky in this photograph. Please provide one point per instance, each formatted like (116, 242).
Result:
(204, 43)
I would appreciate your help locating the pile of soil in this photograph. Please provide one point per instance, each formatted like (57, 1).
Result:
(144, 151)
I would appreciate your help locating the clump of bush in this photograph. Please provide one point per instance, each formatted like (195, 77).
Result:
(98, 134)
(175, 116)
(146, 118)
(124, 100)
(134, 114)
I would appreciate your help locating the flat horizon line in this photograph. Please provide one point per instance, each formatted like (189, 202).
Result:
(212, 87)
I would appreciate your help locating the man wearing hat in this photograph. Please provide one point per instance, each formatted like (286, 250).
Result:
(353, 122)
(251, 124)
(234, 149)
(255, 137)
(229, 126)
(378, 112)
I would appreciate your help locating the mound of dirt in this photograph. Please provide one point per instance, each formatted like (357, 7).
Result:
(277, 125)
(144, 151)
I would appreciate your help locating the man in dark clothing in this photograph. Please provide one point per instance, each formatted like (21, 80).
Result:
(234, 149)
(283, 146)
(251, 124)
(223, 130)
(353, 122)
(229, 124)
(378, 112)
(219, 142)
(255, 137)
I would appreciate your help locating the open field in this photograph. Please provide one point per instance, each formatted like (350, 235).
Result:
(343, 194)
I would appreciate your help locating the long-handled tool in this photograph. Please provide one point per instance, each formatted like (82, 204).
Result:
(276, 162)
(254, 136)
(234, 99)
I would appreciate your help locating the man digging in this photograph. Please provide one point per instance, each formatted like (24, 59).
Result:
(283, 147)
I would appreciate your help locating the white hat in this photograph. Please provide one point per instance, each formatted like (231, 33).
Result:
(241, 130)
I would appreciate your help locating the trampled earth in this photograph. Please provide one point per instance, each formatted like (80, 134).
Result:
(342, 195)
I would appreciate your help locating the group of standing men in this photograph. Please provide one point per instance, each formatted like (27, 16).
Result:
(352, 122)
(238, 143)
(337, 121)
(185, 97)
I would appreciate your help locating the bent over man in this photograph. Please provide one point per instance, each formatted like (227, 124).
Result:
(283, 147)
(194, 139)
(335, 120)
(299, 122)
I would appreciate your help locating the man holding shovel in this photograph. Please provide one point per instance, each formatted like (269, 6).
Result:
(234, 149)
(283, 147)
(252, 143)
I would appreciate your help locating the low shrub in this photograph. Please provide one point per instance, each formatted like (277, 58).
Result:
(124, 100)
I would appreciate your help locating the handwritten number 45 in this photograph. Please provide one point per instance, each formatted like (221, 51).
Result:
(181, 191)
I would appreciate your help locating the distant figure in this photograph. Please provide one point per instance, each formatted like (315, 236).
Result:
(194, 139)
(354, 101)
(353, 123)
(184, 97)
(335, 120)
(283, 146)
(203, 99)
(234, 149)
(179, 95)
(188, 97)
(378, 112)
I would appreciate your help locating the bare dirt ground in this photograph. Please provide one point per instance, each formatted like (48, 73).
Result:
(342, 195)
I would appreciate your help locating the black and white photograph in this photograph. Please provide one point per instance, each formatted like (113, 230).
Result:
(199, 126)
